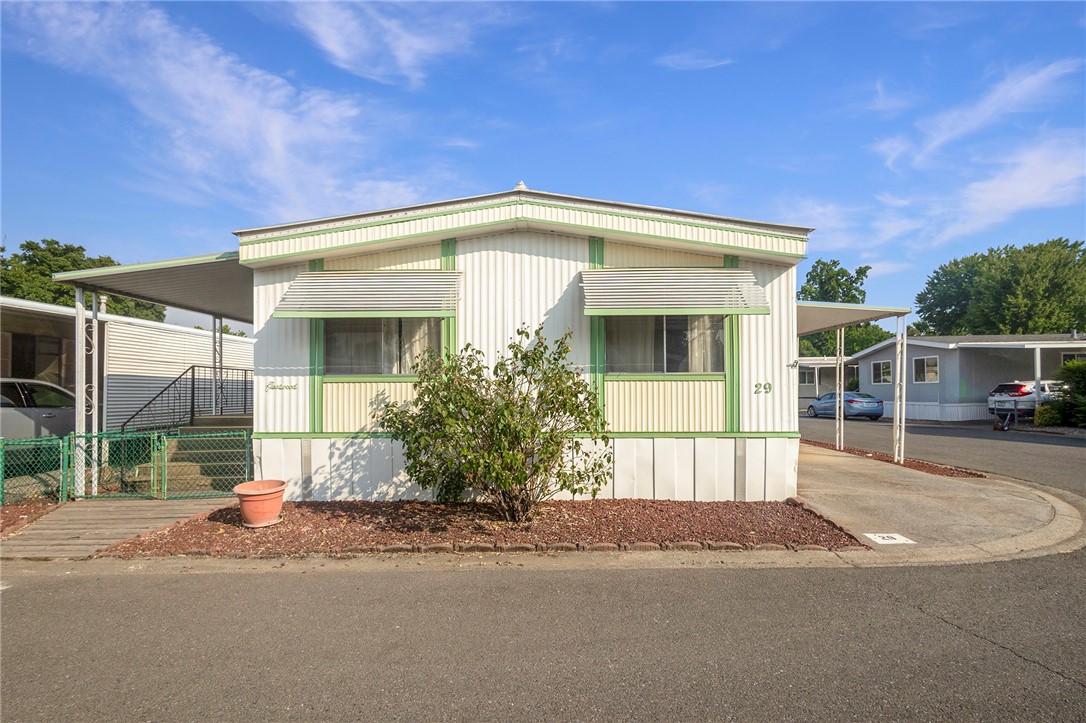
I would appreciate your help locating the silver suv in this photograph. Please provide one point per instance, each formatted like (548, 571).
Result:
(33, 408)
(1019, 396)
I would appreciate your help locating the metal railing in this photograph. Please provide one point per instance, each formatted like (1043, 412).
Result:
(196, 392)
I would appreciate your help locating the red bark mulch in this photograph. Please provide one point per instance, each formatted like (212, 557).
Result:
(917, 464)
(350, 527)
(17, 516)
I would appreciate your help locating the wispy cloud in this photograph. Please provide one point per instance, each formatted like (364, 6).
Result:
(884, 101)
(836, 226)
(886, 268)
(390, 42)
(1046, 174)
(691, 60)
(222, 129)
(1024, 89)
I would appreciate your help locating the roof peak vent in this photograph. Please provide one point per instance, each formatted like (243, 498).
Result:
(520, 186)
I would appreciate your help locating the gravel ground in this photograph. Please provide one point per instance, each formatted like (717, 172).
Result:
(917, 464)
(344, 528)
(15, 517)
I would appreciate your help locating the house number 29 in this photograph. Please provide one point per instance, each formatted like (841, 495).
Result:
(763, 388)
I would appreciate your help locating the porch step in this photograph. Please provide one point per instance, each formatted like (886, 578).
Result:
(227, 421)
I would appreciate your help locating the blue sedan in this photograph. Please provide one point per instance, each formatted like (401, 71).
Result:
(857, 404)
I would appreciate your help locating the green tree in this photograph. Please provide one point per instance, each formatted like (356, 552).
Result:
(225, 329)
(28, 275)
(1035, 289)
(516, 434)
(829, 281)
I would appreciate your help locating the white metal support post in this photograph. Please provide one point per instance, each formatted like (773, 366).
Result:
(216, 364)
(91, 336)
(1036, 378)
(839, 406)
(900, 349)
(79, 464)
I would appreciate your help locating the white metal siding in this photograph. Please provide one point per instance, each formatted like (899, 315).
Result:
(665, 406)
(767, 346)
(517, 279)
(349, 406)
(629, 256)
(142, 359)
(281, 359)
(416, 258)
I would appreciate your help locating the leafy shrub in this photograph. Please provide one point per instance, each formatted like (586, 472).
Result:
(516, 434)
(1073, 374)
(1048, 415)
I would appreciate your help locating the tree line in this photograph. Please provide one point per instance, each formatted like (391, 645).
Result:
(1033, 289)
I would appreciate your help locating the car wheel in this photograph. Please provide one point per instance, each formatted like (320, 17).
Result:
(875, 419)
(811, 411)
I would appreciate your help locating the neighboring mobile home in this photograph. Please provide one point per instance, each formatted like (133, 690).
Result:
(137, 358)
(949, 377)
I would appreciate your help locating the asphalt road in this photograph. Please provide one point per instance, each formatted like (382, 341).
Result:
(1052, 460)
(998, 641)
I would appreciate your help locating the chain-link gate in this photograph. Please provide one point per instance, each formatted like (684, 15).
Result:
(145, 465)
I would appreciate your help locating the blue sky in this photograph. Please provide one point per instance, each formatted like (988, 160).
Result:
(907, 134)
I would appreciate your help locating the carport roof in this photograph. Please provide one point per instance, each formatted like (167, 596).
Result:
(212, 284)
(814, 316)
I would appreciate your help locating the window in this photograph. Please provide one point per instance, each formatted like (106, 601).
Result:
(48, 397)
(377, 346)
(926, 369)
(1070, 356)
(806, 376)
(664, 344)
(880, 372)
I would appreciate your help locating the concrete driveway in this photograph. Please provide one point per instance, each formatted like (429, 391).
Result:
(1046, 459)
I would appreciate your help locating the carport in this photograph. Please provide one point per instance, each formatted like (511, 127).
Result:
(213, 284)
(816, 316)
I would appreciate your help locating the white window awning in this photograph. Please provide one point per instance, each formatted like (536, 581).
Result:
(331, 294)
(654, 292)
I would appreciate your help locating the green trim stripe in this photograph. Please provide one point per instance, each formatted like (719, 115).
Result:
(316, 364)
(370, 378)
(660, 377)
(448, 321)
(732, 373)
(679, 311)
(365, 314)
(526, 219)
(145, 266)
(597, 349)
(612, 435)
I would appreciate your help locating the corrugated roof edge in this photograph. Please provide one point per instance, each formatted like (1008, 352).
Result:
(528, 193)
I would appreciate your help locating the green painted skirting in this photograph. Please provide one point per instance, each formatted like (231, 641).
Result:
(384, 378)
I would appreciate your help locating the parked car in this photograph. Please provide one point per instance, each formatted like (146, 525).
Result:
(32, 408)
(1009, 396)
(857, 404)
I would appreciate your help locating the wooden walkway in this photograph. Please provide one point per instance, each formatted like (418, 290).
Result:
(81, 528)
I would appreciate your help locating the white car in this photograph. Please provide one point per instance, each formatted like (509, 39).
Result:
(32, 408)
(1019, 396)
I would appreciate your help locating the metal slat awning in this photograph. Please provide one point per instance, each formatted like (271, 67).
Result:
(653, 292)
(331, 294)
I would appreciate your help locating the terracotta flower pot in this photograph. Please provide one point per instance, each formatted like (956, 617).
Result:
(261, 501)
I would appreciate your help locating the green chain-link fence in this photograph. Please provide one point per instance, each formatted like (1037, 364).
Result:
(33, 469)
(125, 464)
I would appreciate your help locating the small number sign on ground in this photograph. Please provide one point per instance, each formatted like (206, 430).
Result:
(888, 538)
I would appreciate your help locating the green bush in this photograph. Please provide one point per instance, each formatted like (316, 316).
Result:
(1048, 415)
(516, 434)
(1073, 374)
